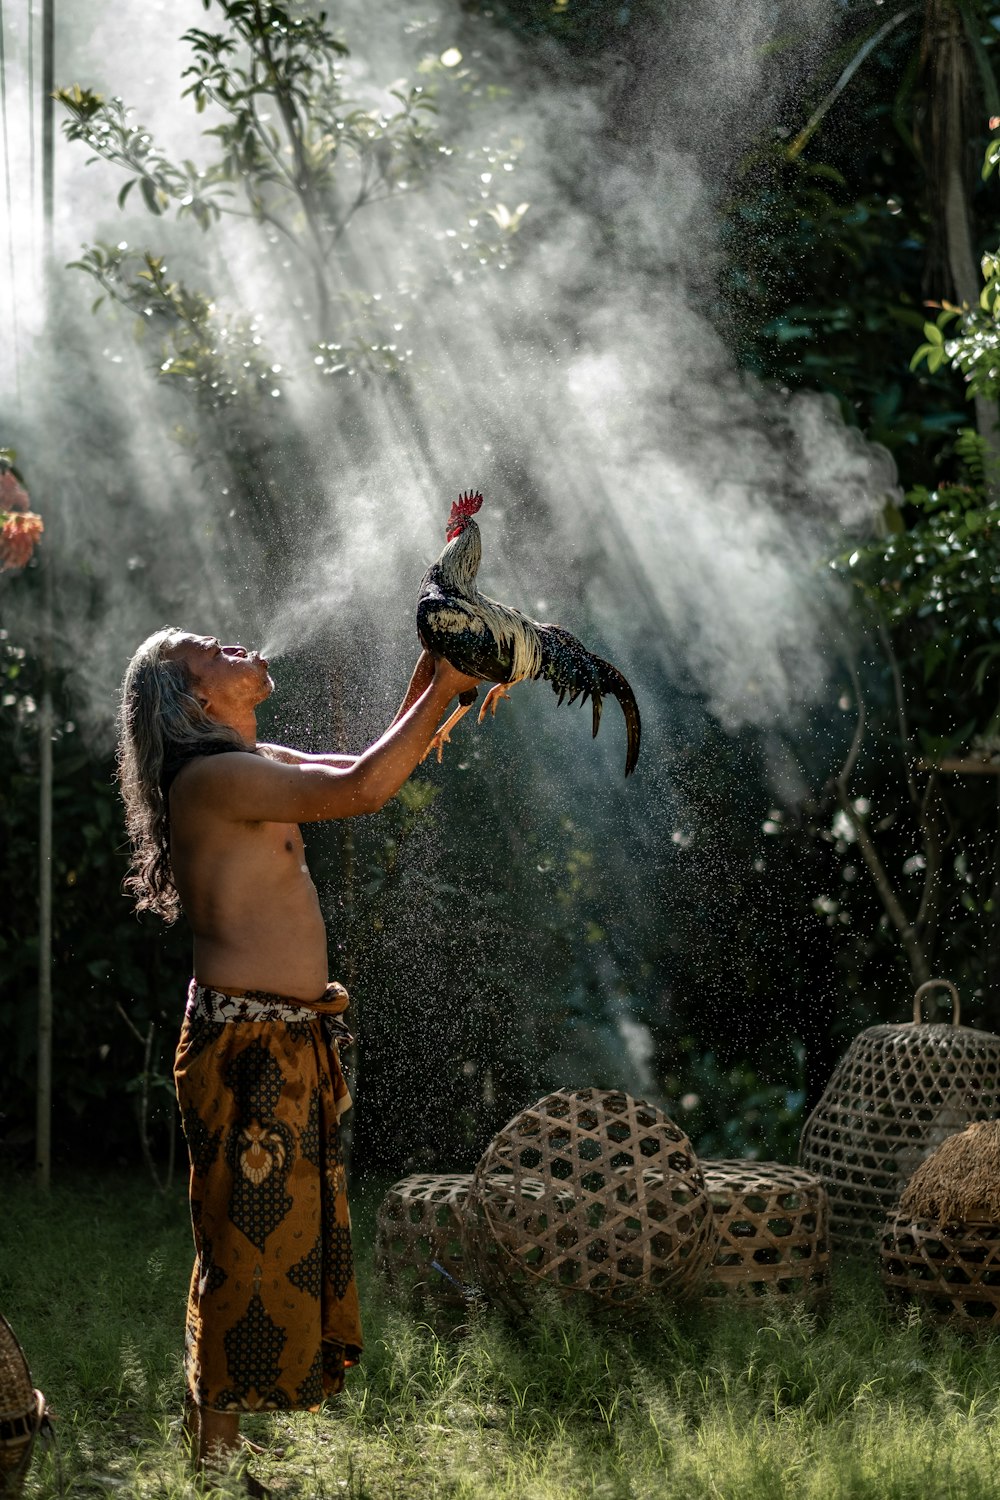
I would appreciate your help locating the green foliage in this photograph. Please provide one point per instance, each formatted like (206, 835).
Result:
(298, 159)
(733, 1112)
(822, 285)
(520, 943)
(585, 27)
(928, 587)
(834, 233)
(218, 358)
(968, 338)
(935, 583)
(830, 289)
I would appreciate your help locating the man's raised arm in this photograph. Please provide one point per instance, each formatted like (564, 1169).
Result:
(255, 789)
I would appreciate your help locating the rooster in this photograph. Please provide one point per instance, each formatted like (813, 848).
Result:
(489, 640)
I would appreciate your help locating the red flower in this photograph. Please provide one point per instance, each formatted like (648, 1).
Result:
(13, 496)
(18, 536)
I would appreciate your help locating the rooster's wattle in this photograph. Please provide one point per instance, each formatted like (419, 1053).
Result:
(501, 645)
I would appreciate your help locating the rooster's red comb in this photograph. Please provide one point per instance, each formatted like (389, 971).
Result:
(465, 506)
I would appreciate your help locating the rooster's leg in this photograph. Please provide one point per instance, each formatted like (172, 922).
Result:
(443, 736)
(493, 697)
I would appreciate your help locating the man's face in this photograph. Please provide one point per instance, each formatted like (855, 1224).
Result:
(229, 681)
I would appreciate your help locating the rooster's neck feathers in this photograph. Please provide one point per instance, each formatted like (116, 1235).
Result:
(461, 558)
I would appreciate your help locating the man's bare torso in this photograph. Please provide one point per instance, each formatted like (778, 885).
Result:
(246, 893)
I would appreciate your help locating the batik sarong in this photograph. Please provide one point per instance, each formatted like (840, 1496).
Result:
(272, 1316)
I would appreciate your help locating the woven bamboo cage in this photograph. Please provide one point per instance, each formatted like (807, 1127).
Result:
(22, 1413)
(897, 1093)
(941, 1247)
(774, 1231)
(590, 1193)
(418, 1240)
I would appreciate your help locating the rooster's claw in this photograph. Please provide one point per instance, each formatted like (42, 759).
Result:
(493, 697)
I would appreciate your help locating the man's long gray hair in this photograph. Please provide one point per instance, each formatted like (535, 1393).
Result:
(160, 725)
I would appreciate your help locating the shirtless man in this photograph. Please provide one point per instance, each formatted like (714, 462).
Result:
(213, 818)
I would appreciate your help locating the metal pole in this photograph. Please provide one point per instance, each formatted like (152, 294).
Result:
(43, 1103)
(48, 128)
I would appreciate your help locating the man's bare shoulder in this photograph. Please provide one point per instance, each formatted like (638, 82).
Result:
(210, 781)
(245, 787)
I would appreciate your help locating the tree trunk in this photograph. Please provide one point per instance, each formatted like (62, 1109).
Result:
(953, 89)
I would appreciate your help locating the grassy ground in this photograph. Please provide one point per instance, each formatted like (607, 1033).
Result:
(742, 1406)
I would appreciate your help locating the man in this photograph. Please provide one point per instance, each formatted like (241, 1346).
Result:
(213, 817)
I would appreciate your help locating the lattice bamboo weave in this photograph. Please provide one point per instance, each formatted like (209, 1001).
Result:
(591, 1193)
(898, 1092)
(774, 1231)
(418, 1239)
(952, 1270)
(22, 1410)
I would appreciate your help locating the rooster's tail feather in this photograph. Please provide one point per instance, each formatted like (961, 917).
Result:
(617, 686)
(574, 671)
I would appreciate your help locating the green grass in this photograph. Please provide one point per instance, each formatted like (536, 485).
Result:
(740, 1405)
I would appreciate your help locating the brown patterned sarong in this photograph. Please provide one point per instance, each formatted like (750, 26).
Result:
(272, 1316)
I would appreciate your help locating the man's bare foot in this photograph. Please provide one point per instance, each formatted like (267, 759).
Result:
(258, 1448)
(219, 1449)
(237, 1472)
(249, 1485)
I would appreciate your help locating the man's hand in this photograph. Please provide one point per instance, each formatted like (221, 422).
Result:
(433, 669)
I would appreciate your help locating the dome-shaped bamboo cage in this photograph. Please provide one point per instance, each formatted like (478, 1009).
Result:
(897, 1093)
(941, 1246)
(774, 1232)
(22, 1414)
(418, 1240)
(589, 1192)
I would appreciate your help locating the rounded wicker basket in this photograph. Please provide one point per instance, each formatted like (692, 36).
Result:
(951, 1270)
(941, 1247)
(589, 1193)
(774, 1231)
(898, 1092)
(22, 1412)
(418, 1239)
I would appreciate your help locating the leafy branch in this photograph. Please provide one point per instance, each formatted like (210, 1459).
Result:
(300, 156)
(220, 361)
